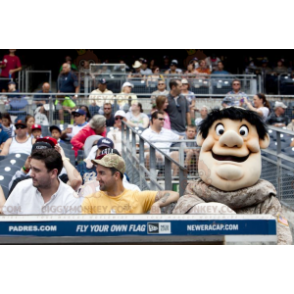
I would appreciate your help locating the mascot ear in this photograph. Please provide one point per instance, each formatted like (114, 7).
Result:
(199, 139)
(265, 142)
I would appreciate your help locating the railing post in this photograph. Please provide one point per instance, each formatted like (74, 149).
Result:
(141, 161)
(133, 152)
(152, 165)
(168, 175)
(279, 162)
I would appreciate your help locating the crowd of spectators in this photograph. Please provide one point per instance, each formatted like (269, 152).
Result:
(49, 173)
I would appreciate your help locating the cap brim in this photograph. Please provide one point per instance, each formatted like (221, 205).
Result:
(20, 124)
(55, 128)
(103, 145)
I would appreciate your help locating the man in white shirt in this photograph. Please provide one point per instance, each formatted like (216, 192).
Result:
(162, 139)
(80, 122)
(161, 91)
(99, 97)
(44, 193)
(145, 71)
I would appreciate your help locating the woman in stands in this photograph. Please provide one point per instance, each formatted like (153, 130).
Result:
(155, 75)
(88, 114)
(261, 105)
(30, 120)
(126, 96)
(190, 96)
(7, 125)
(136, 117)
(161, 105)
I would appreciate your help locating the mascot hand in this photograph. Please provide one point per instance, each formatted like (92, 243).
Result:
(211, 208)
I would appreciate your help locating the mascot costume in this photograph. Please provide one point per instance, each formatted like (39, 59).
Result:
(230, 168)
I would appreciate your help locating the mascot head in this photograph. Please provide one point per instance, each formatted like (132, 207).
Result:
(231, 141)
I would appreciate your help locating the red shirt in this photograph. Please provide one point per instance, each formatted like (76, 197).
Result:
(79, 139)
(12, 62)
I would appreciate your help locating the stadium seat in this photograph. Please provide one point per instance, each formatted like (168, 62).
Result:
(13, 162)
(289, 151)
(66, 146)
(45, 131)
(71, 155)
(16, 156)
(8, 169)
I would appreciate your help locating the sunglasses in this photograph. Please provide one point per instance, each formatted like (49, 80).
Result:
(161, 84)
(77, 115)
(119, 118)
(20, 127)
(107, 108)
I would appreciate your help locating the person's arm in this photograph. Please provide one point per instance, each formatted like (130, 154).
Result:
(2, 199)
(12, 71)
(188, 117)
(251, 107)
(78, 140)
(162, 199)
(6, 147)
(145, 122)
(74, 178)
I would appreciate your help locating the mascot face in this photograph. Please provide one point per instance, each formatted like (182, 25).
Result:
(230, 157)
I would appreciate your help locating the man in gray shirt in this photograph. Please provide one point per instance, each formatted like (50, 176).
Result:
(178, 108)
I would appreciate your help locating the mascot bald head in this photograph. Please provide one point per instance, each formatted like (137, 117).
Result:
(231, 141)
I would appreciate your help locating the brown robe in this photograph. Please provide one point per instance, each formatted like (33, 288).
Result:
(257, 199)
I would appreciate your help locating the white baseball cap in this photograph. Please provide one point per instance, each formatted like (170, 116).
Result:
(137, 64)
(280, 104)
(120, 113)
(127, 84)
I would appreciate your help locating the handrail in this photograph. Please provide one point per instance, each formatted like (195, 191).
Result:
(152, 150)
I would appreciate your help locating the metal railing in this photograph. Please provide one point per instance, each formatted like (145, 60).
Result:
(277, 164)
(209, 100)
(133, 151)
(199, 83)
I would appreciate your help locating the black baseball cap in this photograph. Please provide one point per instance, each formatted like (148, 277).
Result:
(102, 81)
(55, 128)
(108, 151)
(105, 142)
(79, 112)
(20, 122)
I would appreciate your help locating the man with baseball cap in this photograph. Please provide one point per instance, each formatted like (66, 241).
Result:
(80, 122)
(173, 68)
(100, 96)
(113, 198)
(278, 117)
(145, 71)
(36, 131)
(136, 72)
(21, 143)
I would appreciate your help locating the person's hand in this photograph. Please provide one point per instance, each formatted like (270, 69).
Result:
(59, 149)
(68, 130)
(27, 163)
(245, 100)
(11, 71)
(155, 209)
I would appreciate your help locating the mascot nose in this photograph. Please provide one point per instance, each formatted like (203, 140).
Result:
(231, 139)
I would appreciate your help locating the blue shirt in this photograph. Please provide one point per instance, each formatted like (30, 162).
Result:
(3, 136)
(42, 97)
(67, 83)
(220, 72)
